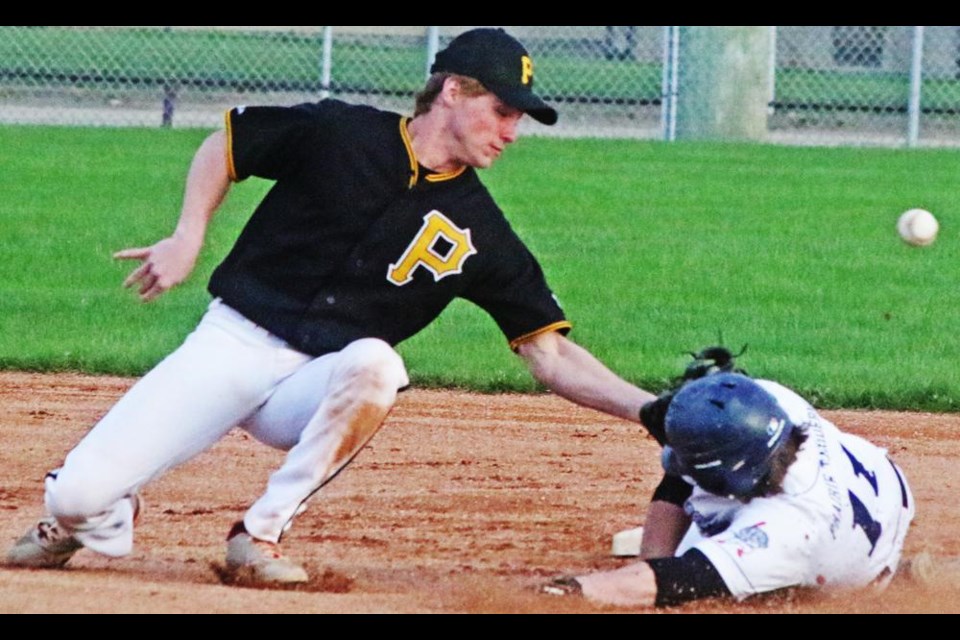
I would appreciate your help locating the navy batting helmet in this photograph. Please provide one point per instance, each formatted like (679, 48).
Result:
(723, 431)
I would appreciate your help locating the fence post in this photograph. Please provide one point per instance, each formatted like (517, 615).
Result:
(169, 100)
(433, 45)
(668, 90)
(169, 96)
(772, 79)
(723, 88)
(326, 62)
(916, 77)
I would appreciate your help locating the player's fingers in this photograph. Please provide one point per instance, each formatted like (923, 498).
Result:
(136, 253)
(137, 275)
(148, 294)
(147, 282)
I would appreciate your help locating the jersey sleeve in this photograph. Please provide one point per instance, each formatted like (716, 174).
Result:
(766, 547)
(515, 293)
(266, 142)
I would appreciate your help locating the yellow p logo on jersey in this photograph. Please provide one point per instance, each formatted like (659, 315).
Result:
(526, 69)
(422, 250)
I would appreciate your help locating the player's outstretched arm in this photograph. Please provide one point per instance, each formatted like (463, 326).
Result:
(663, 529)
(658, 582)
(168, 262)
(571, 371)
(633, 585)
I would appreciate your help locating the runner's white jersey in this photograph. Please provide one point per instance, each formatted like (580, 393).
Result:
(840, 522)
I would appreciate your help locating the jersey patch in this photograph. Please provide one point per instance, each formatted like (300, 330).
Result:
(440, 246)
(752, 537)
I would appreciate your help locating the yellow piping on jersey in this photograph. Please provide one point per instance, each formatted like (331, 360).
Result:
(231, 169)
(415, 164)
(556, 326)
(449, 175)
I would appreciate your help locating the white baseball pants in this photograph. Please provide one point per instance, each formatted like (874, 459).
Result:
(229, 372)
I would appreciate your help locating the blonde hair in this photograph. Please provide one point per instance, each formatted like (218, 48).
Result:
(426, 97)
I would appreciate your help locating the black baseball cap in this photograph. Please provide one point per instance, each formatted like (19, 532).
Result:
(501, 64)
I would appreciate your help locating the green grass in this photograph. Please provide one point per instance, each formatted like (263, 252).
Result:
(653, 249)
(883, 90)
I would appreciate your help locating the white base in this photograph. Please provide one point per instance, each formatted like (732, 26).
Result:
(627, 542)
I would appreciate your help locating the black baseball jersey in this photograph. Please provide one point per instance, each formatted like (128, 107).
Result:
(355, 239)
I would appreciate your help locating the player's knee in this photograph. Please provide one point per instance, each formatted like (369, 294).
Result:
(374, 368)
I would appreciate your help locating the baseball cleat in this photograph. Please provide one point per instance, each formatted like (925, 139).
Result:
(251, 561)
(566, 586)
(927, 570)
(48, 546)
(918, 569)
(45, 545)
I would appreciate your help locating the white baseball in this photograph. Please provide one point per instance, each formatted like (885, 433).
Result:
(918, 227)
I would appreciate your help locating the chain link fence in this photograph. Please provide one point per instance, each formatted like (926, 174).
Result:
(887, 85)
(890, 86)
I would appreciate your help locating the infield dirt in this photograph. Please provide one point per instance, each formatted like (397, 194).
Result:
(462, 503)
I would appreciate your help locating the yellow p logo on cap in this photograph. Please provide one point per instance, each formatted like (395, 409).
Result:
(526, 66)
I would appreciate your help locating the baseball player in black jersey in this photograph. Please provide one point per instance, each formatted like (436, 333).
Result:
(375, 222)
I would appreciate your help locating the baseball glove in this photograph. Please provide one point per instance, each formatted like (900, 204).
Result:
(708, 361)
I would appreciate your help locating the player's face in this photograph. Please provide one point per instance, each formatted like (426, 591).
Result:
(482, 127)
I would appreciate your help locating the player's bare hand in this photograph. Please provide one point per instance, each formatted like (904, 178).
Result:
(163, 266)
